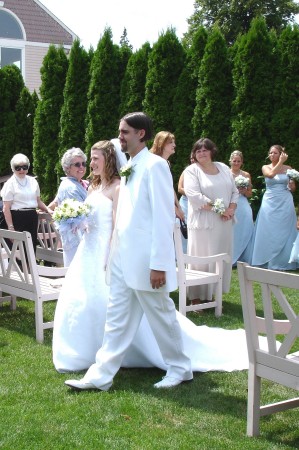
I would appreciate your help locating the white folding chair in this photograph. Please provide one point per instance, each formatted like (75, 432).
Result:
(276, 363)
(190, 277)
(21, 276)
(48, 240)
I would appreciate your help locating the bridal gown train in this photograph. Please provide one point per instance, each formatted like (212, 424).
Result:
(80, 314)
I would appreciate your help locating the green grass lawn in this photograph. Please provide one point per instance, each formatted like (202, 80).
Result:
(37, 411)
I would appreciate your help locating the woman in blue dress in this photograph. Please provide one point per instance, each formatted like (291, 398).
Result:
(243, 226)
(275, 230)
(72, 186)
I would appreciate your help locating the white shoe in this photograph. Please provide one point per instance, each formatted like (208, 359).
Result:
(80, 385)
(169, 382)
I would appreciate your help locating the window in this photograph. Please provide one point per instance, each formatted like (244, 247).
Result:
(11, 40)
(9, 27)
(11, 56)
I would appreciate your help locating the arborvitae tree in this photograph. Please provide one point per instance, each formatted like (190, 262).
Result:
(125, 53)
(133, 83)
(35, 99)
(184, 104)
(285, 129)
(73, 112)
(253, 103)
(212, 112)
(165, 65)
(124, 41)
(11, 85)
(47, 121)
(25, 111)
(104, 92)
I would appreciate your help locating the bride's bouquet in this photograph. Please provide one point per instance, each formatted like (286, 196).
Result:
(242, 182)
(293, 174)
(71, 220)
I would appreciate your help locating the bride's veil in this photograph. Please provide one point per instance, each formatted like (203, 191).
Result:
(121, 159)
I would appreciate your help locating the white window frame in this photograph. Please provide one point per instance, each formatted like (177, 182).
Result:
(15, 43)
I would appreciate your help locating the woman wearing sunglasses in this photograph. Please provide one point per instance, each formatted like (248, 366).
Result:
(21, 197)
(73, 163)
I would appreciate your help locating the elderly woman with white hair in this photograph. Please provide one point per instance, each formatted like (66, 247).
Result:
(21, 198)
(72, 186)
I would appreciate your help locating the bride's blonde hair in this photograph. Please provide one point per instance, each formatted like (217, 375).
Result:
(108, 151)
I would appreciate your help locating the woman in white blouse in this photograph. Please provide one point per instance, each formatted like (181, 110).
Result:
(209, 232)
(21, 197)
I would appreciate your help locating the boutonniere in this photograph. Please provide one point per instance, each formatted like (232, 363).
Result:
(126, 171)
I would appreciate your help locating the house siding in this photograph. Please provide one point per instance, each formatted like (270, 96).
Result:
(34, 58)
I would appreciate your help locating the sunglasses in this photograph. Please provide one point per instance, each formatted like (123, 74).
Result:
(78, 164)
(24, 167)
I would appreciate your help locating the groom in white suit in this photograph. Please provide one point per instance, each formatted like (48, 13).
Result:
(142, 264)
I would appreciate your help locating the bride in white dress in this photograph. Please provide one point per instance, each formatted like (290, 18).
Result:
(81, 309)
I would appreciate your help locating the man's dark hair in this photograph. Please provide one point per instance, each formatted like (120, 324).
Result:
(140, 121)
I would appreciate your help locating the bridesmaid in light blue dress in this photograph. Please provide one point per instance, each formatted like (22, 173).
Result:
(243, 226)
(295, 250)
(275, 230)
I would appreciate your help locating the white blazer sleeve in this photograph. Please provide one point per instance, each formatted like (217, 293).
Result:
(161, 197)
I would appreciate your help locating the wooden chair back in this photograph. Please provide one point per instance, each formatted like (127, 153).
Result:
(49, 240)
(274, 315)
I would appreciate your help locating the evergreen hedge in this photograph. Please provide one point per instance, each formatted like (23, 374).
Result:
(243, 96)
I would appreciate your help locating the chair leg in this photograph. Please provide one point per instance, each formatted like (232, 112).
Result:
(39, 321)
(182, 300)
(13, 303)
(253, 403)
(218, 298)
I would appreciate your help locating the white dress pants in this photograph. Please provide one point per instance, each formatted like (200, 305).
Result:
(125, 309)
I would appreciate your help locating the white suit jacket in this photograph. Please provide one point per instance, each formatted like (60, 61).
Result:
(144, 223)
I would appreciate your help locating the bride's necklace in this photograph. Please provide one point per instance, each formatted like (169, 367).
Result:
(19, 182)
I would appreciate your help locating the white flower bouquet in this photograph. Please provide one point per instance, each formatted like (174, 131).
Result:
(71, 219)
(126, 171)
(293, 174)
(218, 206)
(242, 182)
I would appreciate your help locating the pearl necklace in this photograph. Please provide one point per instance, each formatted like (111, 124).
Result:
(21, 184)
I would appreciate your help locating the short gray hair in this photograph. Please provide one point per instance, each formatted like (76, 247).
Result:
(18, 160)
(69, 155)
